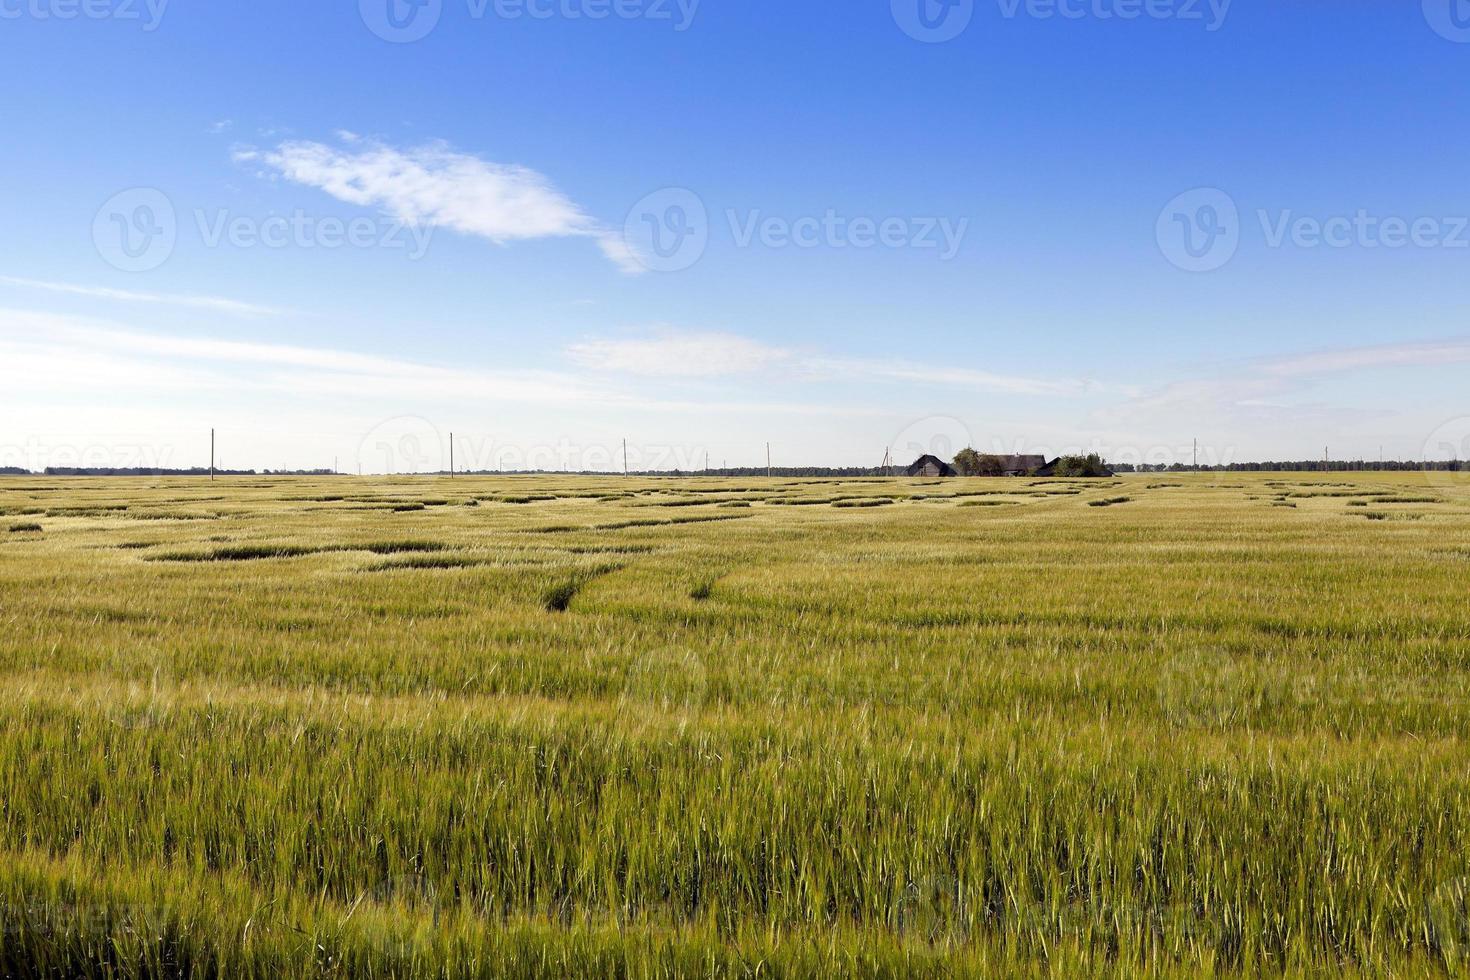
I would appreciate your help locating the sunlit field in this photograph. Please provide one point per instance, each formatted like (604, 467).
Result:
(1200, 725)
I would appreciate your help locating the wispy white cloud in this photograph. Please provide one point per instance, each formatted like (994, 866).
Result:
(705, 354)
(48, 353)
(1275, 389)
(54, 345)
(678, 354)
(1416, 354)
(433, 185)
(213, 304)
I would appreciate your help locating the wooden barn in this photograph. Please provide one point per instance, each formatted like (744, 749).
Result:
(930, 466)
(1021, 465)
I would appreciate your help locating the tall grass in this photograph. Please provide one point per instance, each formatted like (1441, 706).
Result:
(1197, 735)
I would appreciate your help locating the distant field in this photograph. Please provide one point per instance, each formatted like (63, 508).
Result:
(543, 727)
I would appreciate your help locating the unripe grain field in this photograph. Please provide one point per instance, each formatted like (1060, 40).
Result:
(1176, 726)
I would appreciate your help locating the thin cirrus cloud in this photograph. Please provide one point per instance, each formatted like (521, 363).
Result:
(50, 352)
(435, 186)
(711, 354)
(1270, 388)
(213, 304)
(45, 352)
(673, 354)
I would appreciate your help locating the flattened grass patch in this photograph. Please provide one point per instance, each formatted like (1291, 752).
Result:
(558, 596)
(247, 552)
(1110, 502)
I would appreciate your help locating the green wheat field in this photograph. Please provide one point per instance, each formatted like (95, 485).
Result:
(1175, 726)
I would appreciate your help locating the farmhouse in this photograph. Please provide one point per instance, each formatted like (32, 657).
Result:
(1022, 465)
(1008, 466)
(930, 466)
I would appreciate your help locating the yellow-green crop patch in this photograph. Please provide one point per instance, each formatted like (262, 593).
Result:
(558, 726)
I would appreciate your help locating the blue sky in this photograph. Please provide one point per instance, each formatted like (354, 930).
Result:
(348, 240)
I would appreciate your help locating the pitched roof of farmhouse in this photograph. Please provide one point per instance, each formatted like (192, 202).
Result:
(1021, 464)
(925, 461)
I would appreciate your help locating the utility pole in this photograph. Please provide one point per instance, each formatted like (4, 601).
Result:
(211, 455)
